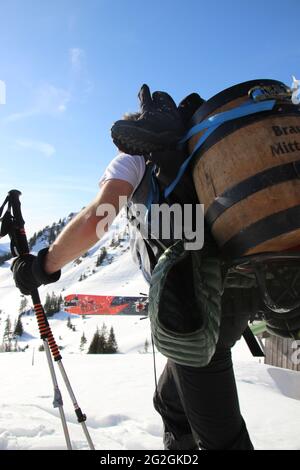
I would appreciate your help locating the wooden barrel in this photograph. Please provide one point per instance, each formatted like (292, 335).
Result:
(247, 172)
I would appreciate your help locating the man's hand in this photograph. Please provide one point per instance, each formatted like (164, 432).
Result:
(29, 274)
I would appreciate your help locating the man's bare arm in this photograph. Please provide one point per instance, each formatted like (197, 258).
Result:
(80, 234)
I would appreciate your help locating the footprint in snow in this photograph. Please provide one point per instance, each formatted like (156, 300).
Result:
(108, 421)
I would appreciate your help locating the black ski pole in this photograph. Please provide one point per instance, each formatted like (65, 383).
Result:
(13, 225)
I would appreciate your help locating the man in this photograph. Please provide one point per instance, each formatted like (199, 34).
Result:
(199, 405)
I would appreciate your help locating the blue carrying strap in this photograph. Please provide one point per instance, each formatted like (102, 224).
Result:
(210, 125)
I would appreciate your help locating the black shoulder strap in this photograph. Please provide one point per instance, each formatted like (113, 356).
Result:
(252, 343)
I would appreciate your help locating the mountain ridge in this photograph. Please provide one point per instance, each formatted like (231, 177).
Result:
(115, 275)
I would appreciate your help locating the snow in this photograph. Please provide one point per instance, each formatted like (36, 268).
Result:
(116, 419)
(4, 248)
(115, 391)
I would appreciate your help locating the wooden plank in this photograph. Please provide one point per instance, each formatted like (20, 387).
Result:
(297, 356)
(271, 350)
(291, 365)
(279, 351)
(274, 351)
(277, 356)
(286, 353)
(267, 351)
(293, 351)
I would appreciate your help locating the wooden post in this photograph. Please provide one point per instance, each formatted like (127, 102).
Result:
(282, 352)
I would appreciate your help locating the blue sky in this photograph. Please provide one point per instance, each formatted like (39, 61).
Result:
(72, 68)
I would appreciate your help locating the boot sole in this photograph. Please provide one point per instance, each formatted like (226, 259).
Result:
(141, 141)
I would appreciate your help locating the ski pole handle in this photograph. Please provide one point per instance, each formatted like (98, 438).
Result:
(19, 243)
(19, 246)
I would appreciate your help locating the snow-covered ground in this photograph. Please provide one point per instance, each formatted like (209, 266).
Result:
(115, 391)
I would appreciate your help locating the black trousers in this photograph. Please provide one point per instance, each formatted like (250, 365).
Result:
(199, 406)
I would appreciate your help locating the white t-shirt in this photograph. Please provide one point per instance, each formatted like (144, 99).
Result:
(130, 168)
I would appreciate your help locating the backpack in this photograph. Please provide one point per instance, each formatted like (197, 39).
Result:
(182, 280)
(216, 282)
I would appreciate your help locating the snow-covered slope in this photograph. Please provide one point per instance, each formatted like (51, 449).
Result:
(4, 248)
(118, 275)
(115, 391)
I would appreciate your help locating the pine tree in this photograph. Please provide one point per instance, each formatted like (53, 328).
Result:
(83, 341)
(93, 348)
(102, 344)
(101, 257)
(19, 330)
(7, 336)
(32, 240)
(114, 241)
(112, 346)
(47, 304)
(52, 235)
(103, 331)
(56, 304)
(52, 304)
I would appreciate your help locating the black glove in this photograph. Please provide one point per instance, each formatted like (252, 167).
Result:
(29, 274)
(158, 127)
